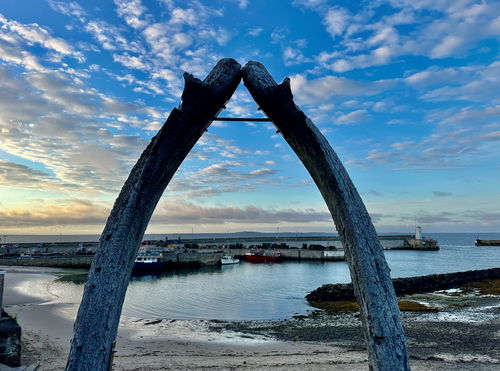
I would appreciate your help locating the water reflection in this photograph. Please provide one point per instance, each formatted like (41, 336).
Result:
(270, 291)
(80, 278)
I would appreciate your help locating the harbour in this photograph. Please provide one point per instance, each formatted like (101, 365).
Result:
(234, 303)
(246, 291)
(198, 252)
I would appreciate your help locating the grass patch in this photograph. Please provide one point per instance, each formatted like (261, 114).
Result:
(414, 306)
(337, 306)
(488, 287)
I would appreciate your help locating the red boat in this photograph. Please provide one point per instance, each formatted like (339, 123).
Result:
(262, 257)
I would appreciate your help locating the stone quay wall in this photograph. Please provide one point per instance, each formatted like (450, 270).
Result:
(296, 254)
(190, 259)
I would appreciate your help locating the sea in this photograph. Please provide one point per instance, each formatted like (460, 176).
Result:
(267, 291)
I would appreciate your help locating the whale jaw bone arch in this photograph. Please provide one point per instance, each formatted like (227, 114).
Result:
(98, 317)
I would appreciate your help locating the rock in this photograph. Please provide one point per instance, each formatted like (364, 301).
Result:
(407, 286)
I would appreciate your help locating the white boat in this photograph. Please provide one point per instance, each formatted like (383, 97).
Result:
(228, 259)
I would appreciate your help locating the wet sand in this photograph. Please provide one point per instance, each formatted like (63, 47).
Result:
(465, 337)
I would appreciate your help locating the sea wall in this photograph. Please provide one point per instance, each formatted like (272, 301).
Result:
(183, 259)
(75, 261)
(298, 254)
(329, 242)
(191, 259)
(407, 286)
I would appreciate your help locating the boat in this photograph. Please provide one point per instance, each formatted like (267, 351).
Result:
(148, 262)
(262, 257)
(84, 251)
(479, 242)
(228, 259)
(43, 254)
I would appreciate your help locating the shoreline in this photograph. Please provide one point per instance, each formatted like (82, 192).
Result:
(459, 338)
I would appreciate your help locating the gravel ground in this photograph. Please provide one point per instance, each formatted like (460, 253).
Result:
(463, 334)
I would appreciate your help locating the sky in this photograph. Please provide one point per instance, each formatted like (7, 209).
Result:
(406, 92)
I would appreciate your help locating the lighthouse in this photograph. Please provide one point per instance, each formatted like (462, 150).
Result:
(418, 232)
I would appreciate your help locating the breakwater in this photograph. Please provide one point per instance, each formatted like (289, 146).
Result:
(390, 242)
(407, 286)
(178, 259)
(298, 254)
(200, 252)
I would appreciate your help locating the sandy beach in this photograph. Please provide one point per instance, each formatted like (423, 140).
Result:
(466, 337)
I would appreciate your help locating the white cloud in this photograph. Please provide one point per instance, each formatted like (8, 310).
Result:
(243, 3)
(131, 61)
(293, 56)
(255, 31)
(110, 37)
(329, 87)
(69, 8)
(219, 34)
(35, 34)
(17, 176)
(13, 54)
(182, 40)
(54, 119)
(436, 76)
(190, 213)
(336, 20)
(279, 34)
(310, 3)
(263, 153)
(475, 115)
(131, 11)
(366, 38)
(461, 140)
(379, 56)
(181, 16)
(353, 117)
(64, 212)
(81, 214)
(473, 83)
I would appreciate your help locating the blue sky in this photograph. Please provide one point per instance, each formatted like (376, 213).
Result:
(405, 91)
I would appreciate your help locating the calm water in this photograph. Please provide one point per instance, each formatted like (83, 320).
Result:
(276, 291)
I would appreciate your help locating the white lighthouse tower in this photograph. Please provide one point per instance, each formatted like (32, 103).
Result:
(418, 232)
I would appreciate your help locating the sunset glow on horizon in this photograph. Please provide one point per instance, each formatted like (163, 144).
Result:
(406, 92)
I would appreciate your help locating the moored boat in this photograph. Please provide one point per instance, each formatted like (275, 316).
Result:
(262, 257)
(84, 251)
(43, 254)
(228, 259)
(147, 262)
(480, 242)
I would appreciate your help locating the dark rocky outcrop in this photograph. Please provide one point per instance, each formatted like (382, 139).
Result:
(407, 286)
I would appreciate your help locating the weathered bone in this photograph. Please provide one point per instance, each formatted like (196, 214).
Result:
(369, 271)
(98, 317)
(99, 314)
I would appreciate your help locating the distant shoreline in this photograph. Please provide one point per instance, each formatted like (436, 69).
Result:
(90, 237)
